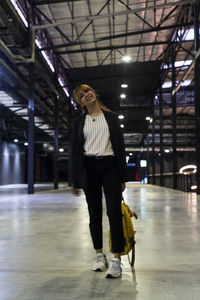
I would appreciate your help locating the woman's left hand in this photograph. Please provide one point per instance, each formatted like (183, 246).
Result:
(123, 186)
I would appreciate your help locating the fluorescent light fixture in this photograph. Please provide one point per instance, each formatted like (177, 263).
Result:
(121, 117)
(124, 85)
(122, 125)
(60, 80)
(61, 150)
(123, 96)
(186, 82)
(16, 140)
(183, 63)
(126, 58)
(48, 61)
(167, 84)
(14, 2)
(45, 55)
(180, 63)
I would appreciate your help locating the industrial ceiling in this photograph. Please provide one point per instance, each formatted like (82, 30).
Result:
(84, 41)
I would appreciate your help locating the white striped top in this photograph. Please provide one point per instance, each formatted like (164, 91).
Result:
(97, 136)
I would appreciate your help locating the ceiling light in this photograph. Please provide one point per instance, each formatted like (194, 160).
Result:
(124, 85)
(130, 154)
(123, 96)
(167, 150)
(25, 144)
(167, 84)
(122, 125)
(126, 58)
(121, 117)
(148, 118)
(61, 150)
(16, 140)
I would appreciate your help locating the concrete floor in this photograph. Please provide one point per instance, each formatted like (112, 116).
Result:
(46, 250)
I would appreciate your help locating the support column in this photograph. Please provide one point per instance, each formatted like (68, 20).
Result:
(197, 90)
(153, 149)
(56, 144)
(174, 136)
(161, 135)
(31, 130)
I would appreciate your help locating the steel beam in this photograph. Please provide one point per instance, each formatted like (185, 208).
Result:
(161, 134)
(174, 135)
(31, 130)
(153, 149)
(120, 13)
(56, 144)
(116, 47)
(116, 36)
(197, 91)
(43, 2)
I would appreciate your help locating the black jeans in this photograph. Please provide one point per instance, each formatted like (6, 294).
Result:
(103, 173)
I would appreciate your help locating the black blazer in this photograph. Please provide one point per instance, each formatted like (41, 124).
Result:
(77, 174)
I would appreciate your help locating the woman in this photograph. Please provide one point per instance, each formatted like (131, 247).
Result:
(97, 160)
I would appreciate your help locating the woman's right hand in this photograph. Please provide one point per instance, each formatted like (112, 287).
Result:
(76, 192)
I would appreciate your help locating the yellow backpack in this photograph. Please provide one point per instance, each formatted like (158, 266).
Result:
(129, 232)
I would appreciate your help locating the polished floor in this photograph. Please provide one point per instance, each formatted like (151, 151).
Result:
(46, 251)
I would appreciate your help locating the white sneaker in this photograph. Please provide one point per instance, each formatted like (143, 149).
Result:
(101, 263)
(115, 269)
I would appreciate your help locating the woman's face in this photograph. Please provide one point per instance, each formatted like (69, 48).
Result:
(87, 97)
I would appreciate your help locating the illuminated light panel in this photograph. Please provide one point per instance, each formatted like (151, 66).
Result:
(186, 82)
(189, 34)
(168, 84)
(143, 163)
(180, 63)
(121, 117)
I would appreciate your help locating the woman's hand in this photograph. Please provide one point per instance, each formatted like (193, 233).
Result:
(76, 192)
(123, 186)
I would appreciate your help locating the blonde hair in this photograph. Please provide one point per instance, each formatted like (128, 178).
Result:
(84, 88)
